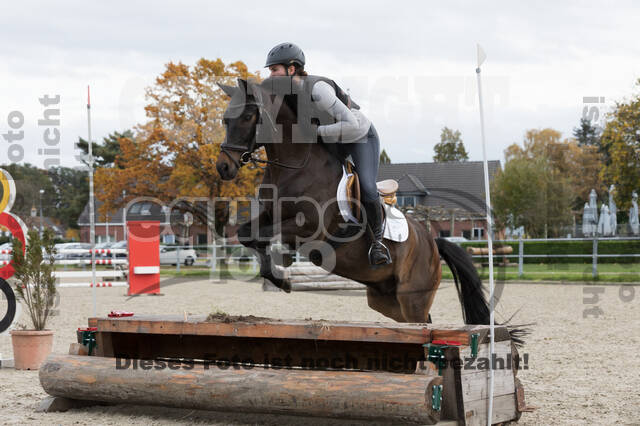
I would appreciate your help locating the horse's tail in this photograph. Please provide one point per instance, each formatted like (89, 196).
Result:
(475, 308)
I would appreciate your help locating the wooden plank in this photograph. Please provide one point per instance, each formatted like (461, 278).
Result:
(269, 328)
(464, 387)
(476, 386)
(104, 345)
(297, 329)
(522, 404)
(462, 334)
(351, 395)
(504, 410)
(502, 355)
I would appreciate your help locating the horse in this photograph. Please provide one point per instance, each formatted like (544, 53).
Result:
(305, 176)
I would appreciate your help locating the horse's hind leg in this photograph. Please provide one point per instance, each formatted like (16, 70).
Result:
(416, 292)
(389, 306)
(386, 304)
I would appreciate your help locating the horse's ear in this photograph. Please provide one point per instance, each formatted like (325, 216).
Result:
(253, 87)
(229, 90)
(242, 83)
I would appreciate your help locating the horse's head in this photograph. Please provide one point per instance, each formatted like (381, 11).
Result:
(240, 120)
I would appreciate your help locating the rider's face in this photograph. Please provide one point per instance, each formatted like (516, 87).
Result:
(279, 69)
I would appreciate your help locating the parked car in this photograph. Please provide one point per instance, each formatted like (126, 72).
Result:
(119, 245)
(61, 255)
(104, 246)
(169, 255)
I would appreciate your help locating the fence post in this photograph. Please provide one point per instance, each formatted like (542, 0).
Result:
(594, 269)
(213, 257)
(520, 257)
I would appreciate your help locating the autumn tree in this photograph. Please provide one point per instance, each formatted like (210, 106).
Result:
(583, 164)
(174, 153)
(529, 193)
(621, 139)
(450, 147)
(538, 184)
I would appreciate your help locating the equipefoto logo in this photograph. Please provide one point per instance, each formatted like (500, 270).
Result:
(592, 110)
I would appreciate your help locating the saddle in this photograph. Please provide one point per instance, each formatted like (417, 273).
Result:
(386, 188)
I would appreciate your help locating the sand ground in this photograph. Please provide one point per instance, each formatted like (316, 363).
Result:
(580, 370)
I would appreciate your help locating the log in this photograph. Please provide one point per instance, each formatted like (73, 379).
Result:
(485, 250)
(318, 278)
(342, 394)
(328, 285)
(305, 276)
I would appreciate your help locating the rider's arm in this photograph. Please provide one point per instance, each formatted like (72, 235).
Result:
(346, 122)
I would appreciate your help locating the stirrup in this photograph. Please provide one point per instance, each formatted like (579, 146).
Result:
(386, 250)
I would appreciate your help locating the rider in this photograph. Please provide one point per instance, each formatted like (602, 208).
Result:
(351, 128)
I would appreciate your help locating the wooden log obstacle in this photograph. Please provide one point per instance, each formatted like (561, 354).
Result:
(485, 251)
(410, 373)
(305, 276)
(497, 251)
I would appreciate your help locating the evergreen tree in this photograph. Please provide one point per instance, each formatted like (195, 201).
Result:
(587, 134)
(105, 155)
(450, 147)
(384, 158)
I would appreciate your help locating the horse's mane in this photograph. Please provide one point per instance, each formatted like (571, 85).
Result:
(288, 112)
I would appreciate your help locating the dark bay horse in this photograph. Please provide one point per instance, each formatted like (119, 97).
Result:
(298, 193)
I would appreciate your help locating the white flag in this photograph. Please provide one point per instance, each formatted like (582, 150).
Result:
(481, 56)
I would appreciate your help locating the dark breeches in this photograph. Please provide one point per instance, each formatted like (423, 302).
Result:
(366, 156)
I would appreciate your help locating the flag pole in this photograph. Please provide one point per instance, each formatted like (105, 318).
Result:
(92, 231)
(481, 58)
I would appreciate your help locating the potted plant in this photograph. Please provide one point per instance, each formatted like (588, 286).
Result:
(35, 285)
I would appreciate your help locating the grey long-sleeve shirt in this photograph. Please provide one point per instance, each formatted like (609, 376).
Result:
(351, 124)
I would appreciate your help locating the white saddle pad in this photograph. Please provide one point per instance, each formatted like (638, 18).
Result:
(396, 229)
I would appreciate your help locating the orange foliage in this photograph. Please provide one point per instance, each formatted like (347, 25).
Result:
(174, 153)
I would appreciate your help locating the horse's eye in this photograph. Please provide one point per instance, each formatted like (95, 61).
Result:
(247, 117)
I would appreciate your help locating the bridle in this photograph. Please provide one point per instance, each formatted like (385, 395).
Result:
(248, 151)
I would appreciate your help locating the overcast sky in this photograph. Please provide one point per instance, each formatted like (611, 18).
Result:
(410, 65)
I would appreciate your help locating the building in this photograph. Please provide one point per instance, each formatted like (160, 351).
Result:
(449, 196)
(33, 223)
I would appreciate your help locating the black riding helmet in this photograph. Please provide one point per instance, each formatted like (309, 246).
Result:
(286, 54)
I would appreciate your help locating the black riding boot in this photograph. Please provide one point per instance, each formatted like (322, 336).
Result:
(378, 252)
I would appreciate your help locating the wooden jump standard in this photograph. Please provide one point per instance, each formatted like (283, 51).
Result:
(372, 371)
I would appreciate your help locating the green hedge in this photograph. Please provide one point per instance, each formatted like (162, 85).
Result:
(569, 247)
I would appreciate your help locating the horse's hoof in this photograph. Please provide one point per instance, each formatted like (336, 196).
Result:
(286, 286)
